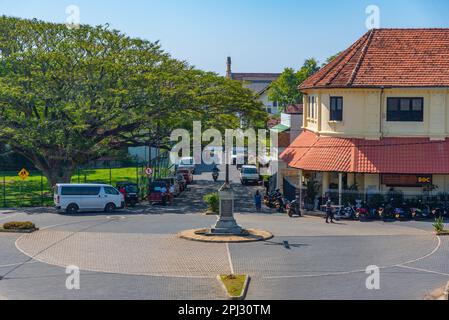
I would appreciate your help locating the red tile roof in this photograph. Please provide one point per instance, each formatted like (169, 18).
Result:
(390, 155)
(389, 58)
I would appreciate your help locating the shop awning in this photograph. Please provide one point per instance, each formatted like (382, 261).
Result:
(313, 152)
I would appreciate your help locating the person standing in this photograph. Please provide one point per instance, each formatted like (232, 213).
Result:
(172, 193)
(164, 195)
(329, 211)
(258, 201)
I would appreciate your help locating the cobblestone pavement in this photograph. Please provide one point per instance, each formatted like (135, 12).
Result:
(135, 254)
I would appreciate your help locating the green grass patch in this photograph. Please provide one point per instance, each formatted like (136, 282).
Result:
(36, 191)
(234, 284)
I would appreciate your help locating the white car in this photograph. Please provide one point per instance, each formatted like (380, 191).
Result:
(187, 163)
(249, 174)
(73, 198)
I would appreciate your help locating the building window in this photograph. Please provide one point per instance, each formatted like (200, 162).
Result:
(405, 109)
(313, 107)
(336, 109)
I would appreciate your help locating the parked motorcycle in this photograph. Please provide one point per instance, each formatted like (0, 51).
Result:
(294, 208)
(365, 214)
(270, 200)
(402, 213)
(386, 212)
(423, 212)
(346, 213)
(440, 211)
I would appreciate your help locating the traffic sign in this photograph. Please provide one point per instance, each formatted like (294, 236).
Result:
(149, 172)
(24, 174)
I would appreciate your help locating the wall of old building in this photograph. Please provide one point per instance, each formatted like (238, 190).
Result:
(365, 113)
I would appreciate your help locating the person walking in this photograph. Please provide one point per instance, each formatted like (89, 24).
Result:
(258, 201)
(329, 211)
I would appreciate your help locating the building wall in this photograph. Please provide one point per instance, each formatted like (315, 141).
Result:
(365, 113)
(269, 105)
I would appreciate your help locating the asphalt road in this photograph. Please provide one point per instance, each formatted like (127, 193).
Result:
(135, 254)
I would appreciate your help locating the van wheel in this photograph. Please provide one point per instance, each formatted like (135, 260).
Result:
(72, 209)
(110, 208)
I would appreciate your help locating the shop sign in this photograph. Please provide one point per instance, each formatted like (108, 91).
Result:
(407, 180)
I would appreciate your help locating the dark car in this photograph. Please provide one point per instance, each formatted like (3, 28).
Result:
(131, 192)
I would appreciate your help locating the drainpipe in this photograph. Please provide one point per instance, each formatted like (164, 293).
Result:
(381, 104)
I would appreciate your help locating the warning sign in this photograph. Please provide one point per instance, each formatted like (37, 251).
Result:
(24, 174)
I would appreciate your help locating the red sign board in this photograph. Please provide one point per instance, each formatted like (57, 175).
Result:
(407, 180)
(149, 172)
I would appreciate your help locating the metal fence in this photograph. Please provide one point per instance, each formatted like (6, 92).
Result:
(35, 190)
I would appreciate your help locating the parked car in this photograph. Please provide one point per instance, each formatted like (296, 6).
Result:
(249, 174)
(73, 198)
(131, 192)
(188, 175)
(187, 163)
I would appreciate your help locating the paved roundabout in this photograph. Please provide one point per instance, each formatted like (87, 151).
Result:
(306, 258)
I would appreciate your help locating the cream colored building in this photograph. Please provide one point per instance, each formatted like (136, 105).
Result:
(377, 116)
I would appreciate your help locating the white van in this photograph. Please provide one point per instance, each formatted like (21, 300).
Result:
(72, 198)
(249, 174)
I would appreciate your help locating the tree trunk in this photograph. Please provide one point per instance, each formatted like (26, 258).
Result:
(63, 174)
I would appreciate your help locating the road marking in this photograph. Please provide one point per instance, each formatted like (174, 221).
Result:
(16, 264)
(424, 270)
(230, 258)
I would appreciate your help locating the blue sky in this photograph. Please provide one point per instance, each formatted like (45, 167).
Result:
(260, 35)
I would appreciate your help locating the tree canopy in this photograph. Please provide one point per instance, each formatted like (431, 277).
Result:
(285, 88)
(69, 96)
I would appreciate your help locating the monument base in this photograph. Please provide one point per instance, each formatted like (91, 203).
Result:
(226, 224)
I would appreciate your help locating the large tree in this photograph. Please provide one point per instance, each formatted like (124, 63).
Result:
(285, 88)
(69, 96)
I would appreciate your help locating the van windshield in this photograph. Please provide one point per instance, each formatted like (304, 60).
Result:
(186, 162)
(250, 171)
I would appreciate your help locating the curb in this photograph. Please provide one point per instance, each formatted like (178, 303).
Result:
(18, 231)
(244, 291)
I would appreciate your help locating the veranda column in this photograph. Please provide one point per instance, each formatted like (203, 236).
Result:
(340, 189)
(300, 188)
(326, 182)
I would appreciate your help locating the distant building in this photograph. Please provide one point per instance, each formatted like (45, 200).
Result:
(257, 82)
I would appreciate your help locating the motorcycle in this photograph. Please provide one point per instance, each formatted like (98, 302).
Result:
(215, 176)
(440, 211)
(270, 200)
(386, 213)
(294, 208)
(366, 214)
(346, 213)
(281, 204)
(402, 213)
(421, 213)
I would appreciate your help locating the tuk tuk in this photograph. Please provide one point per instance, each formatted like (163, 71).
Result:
(155, 195)
(131, 192)
(171, 181)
